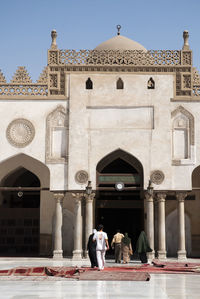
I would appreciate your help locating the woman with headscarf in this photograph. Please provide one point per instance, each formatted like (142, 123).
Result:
(91, 247)
(142, 247)
(126, 248)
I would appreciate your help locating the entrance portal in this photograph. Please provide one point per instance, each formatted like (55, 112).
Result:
(20, 214)
(119, 200)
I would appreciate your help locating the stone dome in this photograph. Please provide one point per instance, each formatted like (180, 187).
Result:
(120, 42)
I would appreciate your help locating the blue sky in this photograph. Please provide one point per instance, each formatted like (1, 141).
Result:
(83, 24)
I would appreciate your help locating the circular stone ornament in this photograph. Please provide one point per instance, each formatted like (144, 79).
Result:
(81, 177)
(20, 132)
(157, 177)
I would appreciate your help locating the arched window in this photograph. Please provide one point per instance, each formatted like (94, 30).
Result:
(120, 84)
(151, 83)
(89, 84)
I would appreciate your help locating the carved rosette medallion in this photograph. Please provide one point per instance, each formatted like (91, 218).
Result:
(81, 177)
(20, 132)
(157, 177)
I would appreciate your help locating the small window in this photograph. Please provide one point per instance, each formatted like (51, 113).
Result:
(151, 84)
(89, 84)
(120, 84)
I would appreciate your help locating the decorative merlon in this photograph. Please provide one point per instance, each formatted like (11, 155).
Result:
(2, 78)
(196, 76)
(21, 76)
(43, 79)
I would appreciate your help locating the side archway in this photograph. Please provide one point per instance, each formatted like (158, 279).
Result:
(23, 197)
(31, 164)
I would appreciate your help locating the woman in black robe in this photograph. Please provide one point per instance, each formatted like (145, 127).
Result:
(91, 247)
(142, 247)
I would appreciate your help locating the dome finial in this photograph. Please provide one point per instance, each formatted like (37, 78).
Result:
(118, 29)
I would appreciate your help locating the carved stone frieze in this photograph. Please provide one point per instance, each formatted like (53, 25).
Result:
(81, 177)
(157, 177)
(20, 132)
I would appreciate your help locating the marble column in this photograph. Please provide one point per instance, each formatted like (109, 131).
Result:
(78, 250)
(181, 224)
(161, 226)
(58, 252)
(150, 223)
(89, 199)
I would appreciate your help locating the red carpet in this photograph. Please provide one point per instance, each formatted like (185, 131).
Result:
(109, 273)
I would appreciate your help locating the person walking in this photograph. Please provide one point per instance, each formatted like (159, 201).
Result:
(116, 242)
(142, 247)
(91, 247)
(101, 239)
(127, 250)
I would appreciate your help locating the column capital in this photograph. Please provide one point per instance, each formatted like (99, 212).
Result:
(161, 196)
(78, 197)
(58, 196)
(149, 197)
(89, 197)
(180, 196)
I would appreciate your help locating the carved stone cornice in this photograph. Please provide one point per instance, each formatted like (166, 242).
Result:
(180, 196)
(161, 196)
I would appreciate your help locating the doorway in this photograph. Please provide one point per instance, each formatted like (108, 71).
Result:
(119, 199)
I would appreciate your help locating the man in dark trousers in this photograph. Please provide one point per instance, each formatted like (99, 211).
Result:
(91, 247)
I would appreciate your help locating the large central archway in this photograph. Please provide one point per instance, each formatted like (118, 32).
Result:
(119, 200)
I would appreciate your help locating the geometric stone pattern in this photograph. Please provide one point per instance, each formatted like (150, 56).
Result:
(157, 177)
(20, 132)
(81, 177)
(116, 57)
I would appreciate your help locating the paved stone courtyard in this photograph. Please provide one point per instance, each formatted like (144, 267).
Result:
(160, 286)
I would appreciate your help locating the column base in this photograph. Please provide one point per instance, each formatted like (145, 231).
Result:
(77, 255)
(182, 255)
(161, 254)
(151, 255)
(57, 254)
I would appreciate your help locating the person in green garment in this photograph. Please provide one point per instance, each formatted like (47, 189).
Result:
(142, 247)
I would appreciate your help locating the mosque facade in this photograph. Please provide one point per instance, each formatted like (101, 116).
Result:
(111, 136)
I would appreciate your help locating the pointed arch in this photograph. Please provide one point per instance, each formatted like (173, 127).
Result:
(120, 84)
(126, 157)
(31, 164)
(182, 135)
